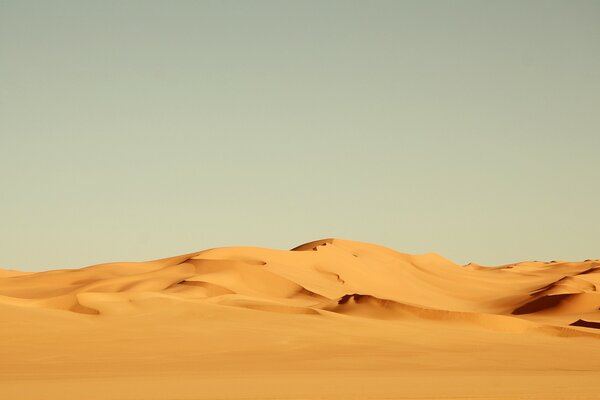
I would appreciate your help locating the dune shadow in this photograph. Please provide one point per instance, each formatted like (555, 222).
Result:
(586, 324)
(540, 304)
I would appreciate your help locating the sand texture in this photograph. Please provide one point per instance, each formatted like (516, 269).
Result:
(331, 319)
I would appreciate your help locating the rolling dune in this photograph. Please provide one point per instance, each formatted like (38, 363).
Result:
(328, 319)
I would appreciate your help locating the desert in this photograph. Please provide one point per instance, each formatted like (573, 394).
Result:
(299, 200)
(330, 319)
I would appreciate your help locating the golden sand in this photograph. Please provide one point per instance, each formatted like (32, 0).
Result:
(332, 319)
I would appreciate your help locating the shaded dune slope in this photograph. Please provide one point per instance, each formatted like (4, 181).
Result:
(329, 277)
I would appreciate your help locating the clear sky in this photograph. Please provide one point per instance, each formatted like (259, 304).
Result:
(144, 129)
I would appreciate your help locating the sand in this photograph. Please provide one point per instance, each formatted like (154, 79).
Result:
(332, 319)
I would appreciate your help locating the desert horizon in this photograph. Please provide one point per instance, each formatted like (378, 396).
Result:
(328, 319)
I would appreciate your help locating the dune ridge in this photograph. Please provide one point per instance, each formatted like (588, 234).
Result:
(321, 275)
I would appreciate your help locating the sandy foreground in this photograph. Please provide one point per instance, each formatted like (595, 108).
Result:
(332, 319)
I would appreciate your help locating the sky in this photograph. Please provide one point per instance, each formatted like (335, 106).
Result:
(139, 130)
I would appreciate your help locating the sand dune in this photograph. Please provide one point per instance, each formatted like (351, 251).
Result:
(349, 319)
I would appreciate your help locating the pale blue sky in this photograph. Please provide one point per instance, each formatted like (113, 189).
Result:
(145, 129)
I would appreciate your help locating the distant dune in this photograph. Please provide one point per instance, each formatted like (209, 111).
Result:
(329, 319)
